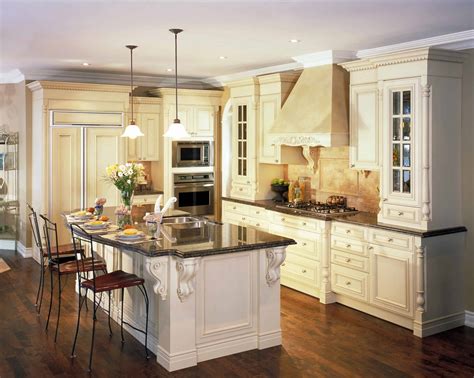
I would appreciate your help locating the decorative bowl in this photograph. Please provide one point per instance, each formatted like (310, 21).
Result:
(280, 190)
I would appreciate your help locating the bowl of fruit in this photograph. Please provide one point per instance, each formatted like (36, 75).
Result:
(280, 187)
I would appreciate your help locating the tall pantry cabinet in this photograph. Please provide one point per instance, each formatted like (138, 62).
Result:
(76, 134)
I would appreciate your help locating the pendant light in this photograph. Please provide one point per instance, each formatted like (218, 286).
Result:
(176, 130)
(132, 130)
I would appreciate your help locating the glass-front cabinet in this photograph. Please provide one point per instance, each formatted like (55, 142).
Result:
(400, 148)
(242, 140)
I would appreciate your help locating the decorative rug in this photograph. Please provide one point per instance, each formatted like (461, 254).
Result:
(3, 266)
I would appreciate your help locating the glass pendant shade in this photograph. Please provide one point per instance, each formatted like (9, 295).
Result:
(176, 130)
(132, 131)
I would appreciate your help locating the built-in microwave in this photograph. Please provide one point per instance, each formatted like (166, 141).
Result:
(193, 153)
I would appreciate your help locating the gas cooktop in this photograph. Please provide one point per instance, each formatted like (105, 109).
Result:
(319, 208)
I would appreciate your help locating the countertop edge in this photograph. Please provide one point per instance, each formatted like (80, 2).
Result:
(346, 219)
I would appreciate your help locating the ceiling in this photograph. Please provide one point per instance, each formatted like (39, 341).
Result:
(61, 35)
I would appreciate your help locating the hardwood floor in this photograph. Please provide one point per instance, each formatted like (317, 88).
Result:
(318, 340)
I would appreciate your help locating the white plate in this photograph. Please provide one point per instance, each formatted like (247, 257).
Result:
(139, 235)
(97, 226)
(82, 217)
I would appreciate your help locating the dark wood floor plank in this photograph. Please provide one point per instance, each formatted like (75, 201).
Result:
(318, 341)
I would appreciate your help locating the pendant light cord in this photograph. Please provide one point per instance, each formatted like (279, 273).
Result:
(131, 80)
(176, 70)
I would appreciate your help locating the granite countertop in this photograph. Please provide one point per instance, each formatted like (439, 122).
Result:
(212, 238)
(147, 192)
(361, 218)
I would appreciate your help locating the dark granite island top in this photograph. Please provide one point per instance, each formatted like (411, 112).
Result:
(212, 238)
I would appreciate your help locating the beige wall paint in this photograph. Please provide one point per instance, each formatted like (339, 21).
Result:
(13, 116)
(333, 176)
(468, 173)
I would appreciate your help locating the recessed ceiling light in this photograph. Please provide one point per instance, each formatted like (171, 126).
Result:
(295, 40)
(85, 64)
(222, 57)
(169, 70)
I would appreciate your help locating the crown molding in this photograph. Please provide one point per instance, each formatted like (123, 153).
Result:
(114, 78)
(322, 58)
(454, 41)
(12, 77)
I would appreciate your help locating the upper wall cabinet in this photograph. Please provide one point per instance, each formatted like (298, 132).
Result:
(198, 110)
(147, 117)
(419, 122)
(274, 89)
(364, 127)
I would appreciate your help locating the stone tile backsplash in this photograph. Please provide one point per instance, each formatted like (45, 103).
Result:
(333, 176)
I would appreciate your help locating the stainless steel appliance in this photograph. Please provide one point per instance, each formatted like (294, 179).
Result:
(319, 208)
(193, 153)
(194, 192)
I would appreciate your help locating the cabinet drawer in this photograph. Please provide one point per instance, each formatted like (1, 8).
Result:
(305, 247)
(258, 223)
(236, 207)
(233, 218)
(257, 212)
(391, 239)
(146, 199)
(241, 190)
(402, 213)
(301, 269)
(349, 282)
(348, 230)
(350, 260)
(302, 223)
(349, 245)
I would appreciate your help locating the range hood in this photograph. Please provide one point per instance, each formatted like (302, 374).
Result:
(316, 113)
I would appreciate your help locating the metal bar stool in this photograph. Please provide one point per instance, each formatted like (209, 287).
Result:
(105, 283)
(64, 268)
(66, 253)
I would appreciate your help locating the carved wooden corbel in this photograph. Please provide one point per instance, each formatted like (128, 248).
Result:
(187, 270)
(275, 257)
(158, 269)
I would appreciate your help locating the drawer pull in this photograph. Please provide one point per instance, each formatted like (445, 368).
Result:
(240, 189)
(390, 240)
(243, 218)
(257, 212)
(283, 264)
(400, 213)
(234, 207)
(348, 283)
(385, 199)
(348, 231)
(303, 271)
(348, 245)
(370, 248)
(282, 219)
(303, 244)
(258, 224)
(348, 260)
(304, 223)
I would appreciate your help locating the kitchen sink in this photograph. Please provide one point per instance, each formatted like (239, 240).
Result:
(184, 222)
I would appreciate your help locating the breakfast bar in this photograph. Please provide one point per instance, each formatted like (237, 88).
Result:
(216, 287)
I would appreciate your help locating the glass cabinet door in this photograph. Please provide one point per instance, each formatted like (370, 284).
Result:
(401, 144)
(242, 147)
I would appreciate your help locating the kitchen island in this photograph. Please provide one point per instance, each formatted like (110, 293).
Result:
(216, 288)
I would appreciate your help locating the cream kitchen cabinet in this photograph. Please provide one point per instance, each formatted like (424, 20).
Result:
(148, 118)
(419, 115)
(364, 127)
(250, 180)
(145, 199)
(198, 120)
(397, 276)
(306, 267)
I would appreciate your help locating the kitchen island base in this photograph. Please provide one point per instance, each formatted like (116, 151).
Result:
(203, 307)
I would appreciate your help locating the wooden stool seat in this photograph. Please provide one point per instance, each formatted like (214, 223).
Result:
(115, 280)
(85, 265)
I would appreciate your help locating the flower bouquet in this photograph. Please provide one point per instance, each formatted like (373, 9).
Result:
(125, 177)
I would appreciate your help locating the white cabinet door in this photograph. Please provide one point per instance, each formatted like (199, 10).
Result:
(391, 280)
(203, 121)
(65, 176)
(103, 147)
(150, 143)
(185, 115)
(269, 107)
(364, 127)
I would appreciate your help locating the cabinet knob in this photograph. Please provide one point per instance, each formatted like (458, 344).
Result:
(234, 207)
(352, 165)
(348, 260)
(400, 213)
(248, 182)
(348, 231)
(240, 189)
(303, 271)
(282, 219)
(370, 248)
(348, 283)
(257, 212)
(243, 218)
(385, 200)
(390, 240)
(304, 244)
(258, 224)
(348, 245)
(283, 264)
(276, 160)
(304, 223)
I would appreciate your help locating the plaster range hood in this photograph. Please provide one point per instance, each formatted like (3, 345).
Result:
(316, 113)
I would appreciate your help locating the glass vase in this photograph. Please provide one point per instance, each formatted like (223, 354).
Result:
(127, 199)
